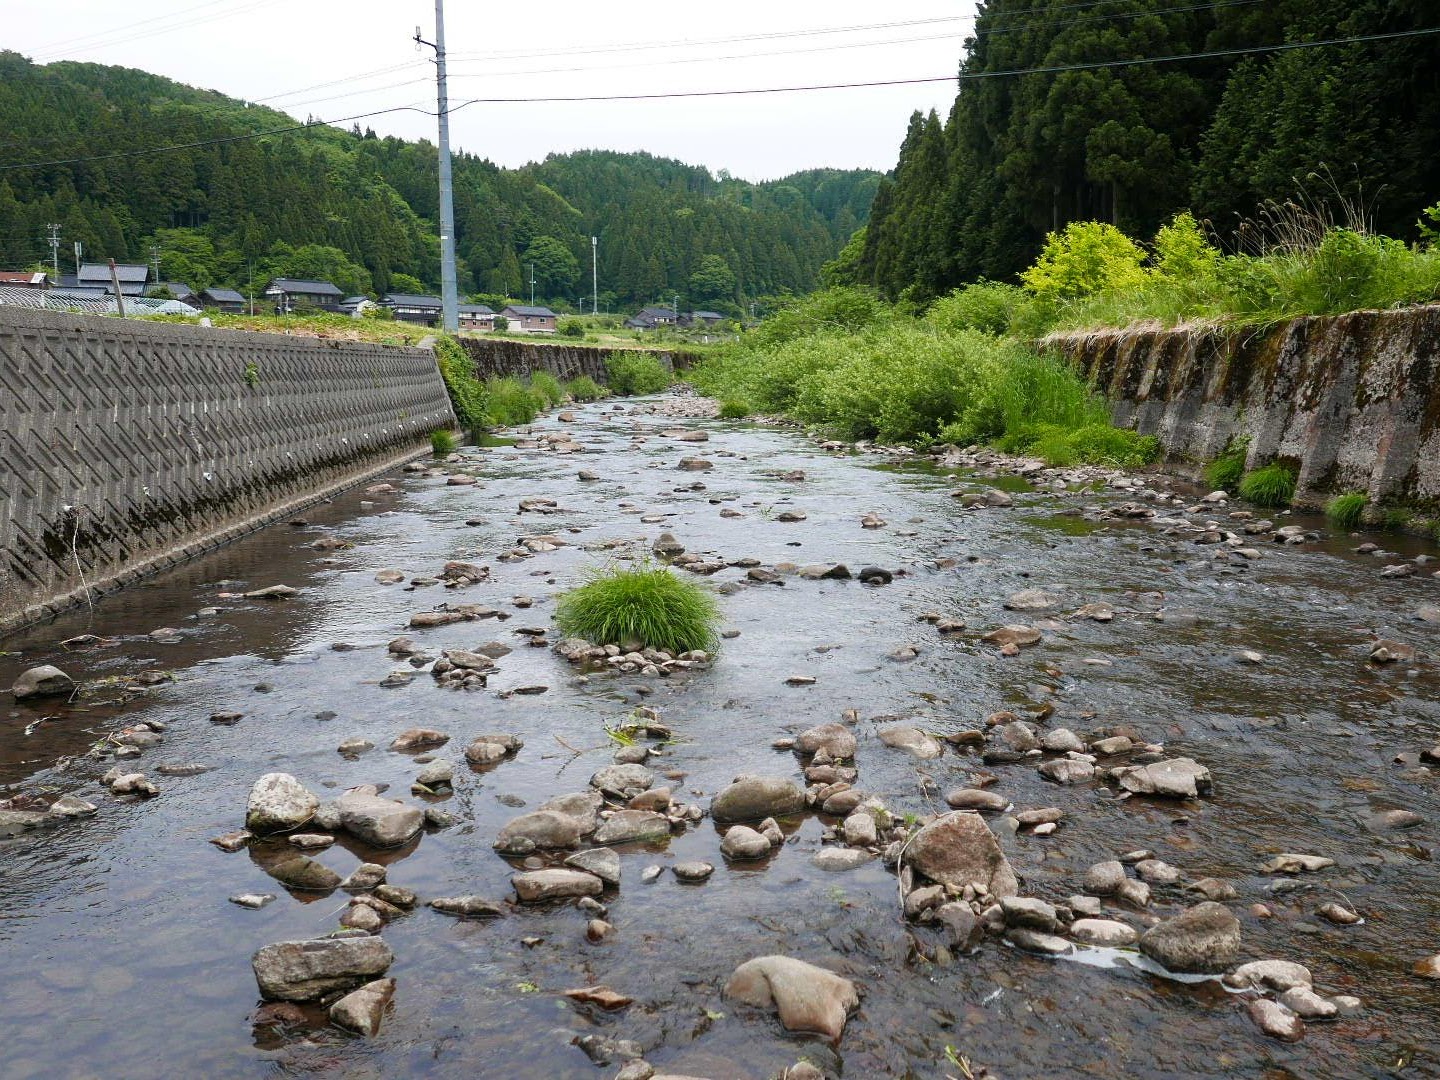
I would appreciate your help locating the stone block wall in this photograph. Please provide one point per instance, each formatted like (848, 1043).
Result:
(127, 446)
(1351, 401)
(503, 356)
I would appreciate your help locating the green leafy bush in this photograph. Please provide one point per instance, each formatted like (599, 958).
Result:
(734, 409)
(1085, 258)
(1345, 511)
(548, 387)
(840, 309)
(646, 606)
(1227, 470)
(1274, 485)
(442, 441)
(584, 388)
(570, 327)
(468, 395)
(988, 306)
(636, 372)
(512, 402)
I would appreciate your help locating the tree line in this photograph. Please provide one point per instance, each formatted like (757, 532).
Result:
(360, 210)
(1024, 152)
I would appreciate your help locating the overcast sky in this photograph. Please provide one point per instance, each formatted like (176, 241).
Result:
(335, 59)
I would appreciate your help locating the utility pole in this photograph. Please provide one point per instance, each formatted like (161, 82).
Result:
(79, 257)
(532, 284)
(594, 275)
(449, 292)
(155, 261)
(55, 249)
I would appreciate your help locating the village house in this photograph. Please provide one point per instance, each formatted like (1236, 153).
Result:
(526, 319)
(23, 279)
(476, 317)
(291, 294)
(651, 318)
(408, 307)
(132, 277)
(225, 300)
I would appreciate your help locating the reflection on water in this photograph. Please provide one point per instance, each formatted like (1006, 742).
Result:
(136, 964)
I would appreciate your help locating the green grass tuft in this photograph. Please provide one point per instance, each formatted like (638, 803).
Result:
(442, 441)
(636, 372)
(585, 388)
(512, 402)
(548, 387)
(651, 606)
(1274, 485)
(734, 409)
(1226, 471)
(1344, 511)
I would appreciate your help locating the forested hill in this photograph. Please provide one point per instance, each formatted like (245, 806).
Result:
(1022, 154)
(360, 210)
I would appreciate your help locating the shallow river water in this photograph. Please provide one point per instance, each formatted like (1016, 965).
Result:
(123, 958)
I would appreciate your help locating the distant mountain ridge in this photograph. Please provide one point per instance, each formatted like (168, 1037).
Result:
(358, 209)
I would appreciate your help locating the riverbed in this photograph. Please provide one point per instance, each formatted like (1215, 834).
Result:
(124, 957)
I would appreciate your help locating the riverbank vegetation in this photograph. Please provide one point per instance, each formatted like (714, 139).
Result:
(640, 607)
(843, 361)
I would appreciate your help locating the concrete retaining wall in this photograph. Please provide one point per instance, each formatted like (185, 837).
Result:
(1352, 401)
(128, 446)
(502, 356)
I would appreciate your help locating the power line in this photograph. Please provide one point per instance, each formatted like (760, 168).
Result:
(65, 42)
(229, 12)
(672, 95)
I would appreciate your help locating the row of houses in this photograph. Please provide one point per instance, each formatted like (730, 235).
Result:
(658, 318)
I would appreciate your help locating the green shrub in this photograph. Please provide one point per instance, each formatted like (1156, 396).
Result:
(1345, 511)
(1274, 485)
(548, 387)
(584, 388)
(1085, 258)
(1101, 444)
(1226, 471)
(988, 306)
(512, 402)
(442, 441)
(734, 409)
(570, 328)
(843, 309)
(636, 372)
(468, 395)
(644, 605)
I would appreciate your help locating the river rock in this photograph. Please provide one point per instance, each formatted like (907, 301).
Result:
(1204, 938)
(306, 970)
(1029, 912)
(977, 799)
(1018, 636)
(1103, 932)
(912, 740)
(1032, 600)
(14, 822)
(835, 739)
(367, 875)
(44, 681)
(278, 802)
(469, 907)
(538, 886)
(1276, 1020)
(1297, 864)
(623, 781)
(807, 998)
(753, 798)
(304, 873)
(695, 871)
(1177, 778)
(361, 1010)
(485, 749)
(68, 806)
(1308, 1005)
(631, 826)
(1279, 975)
(1037, 941)
(602, 862)
(436, 774)
(1062, 741)
(742, 842)
(419, 739)
(378, 821)
(538, 829)
(837, 860)
(1067, 771)
(958, 849)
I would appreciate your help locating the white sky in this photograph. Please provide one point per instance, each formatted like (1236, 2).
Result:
(258, 50)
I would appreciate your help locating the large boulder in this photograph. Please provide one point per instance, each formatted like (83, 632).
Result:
(808, 998)
(835, 739)
(1176, 778)
(361, 1010)
(1205, 938)
(43, 681)
(623, 781)
(306, 970)
(630, 826)
(753, 798)
(378, 821)
(537, 886)
(278, 803)
(959, 849)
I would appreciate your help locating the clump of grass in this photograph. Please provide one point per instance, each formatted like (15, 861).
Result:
(734, 409)
(1274, 485)
(646, 605)
(469, 396)
(512, 402)
(584, 388)
(636, 372)
(442, 441)
(1227, 470)
(1344, 511)
(548, 387)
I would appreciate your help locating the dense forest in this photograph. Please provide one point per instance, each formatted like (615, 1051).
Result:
(1024, 152)
(360, 210)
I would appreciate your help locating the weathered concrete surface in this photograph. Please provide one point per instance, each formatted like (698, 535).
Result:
(1353, 401)
(127, 446)
(502, 356)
